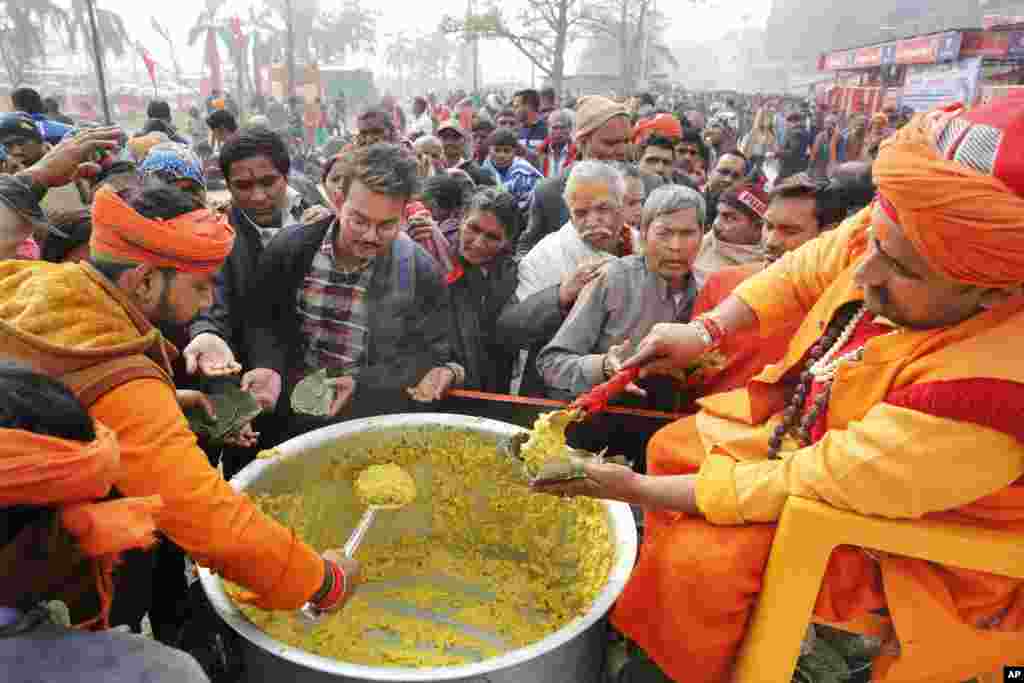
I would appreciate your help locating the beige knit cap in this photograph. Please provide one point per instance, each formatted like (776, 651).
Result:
(593, 111)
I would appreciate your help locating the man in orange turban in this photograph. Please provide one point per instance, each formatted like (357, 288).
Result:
(54, 458)
(665, 125)
(898, 396)
(153, 259)
(195, 242)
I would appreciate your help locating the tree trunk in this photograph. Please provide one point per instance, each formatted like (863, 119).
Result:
(14, 74)
(240, 69)
(637, 53)
(213, 60)
(290, 48)
(561, 39)
(624, 56)
(257, 87)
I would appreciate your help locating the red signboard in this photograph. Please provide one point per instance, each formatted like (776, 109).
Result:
(985, 44)
(839, 60)
(990, 21)
(917, 51)
(868, 56)
(923, 50)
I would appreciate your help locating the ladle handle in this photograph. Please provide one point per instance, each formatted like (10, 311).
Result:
(357, 535)
(596, 400)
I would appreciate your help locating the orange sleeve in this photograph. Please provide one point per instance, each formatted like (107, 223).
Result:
(747, 353)
(220, 527)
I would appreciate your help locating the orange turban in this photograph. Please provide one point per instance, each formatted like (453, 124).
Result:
(664, 125)
(36, 469)
(195, 242)
(956, 184)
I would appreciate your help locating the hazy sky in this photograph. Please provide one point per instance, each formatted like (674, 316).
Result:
(499, 60)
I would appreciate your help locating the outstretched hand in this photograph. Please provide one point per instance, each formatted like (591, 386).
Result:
(666, 347)
(606, 481)
(264, 384)
(344, 390)
(75, 157)
(209, 354)
(434, 385)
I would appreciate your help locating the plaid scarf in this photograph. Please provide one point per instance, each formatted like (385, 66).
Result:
(333, 313)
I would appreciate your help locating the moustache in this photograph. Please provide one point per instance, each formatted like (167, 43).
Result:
(599, 234)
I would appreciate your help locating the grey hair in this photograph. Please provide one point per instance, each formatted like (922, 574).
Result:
(565, 115)
(425, 140)
(597, 171)
(669, 199)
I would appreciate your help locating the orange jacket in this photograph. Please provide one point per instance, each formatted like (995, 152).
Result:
(68, 316)
(920, 427)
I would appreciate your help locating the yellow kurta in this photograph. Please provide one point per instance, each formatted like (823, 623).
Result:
(877, 458)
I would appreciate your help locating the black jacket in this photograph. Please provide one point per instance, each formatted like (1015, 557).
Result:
(548, 213)
(529, 325)
(408, 314)
(226, 317)
(476, 301)
(794, 157)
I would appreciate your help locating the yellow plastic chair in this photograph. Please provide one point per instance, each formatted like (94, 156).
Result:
(808, 532)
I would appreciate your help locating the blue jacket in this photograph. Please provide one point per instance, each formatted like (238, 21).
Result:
(53, 131)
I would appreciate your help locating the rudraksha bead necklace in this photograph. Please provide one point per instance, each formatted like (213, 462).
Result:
(822, 363)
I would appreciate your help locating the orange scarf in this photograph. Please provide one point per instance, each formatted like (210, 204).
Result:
(195, 242)
(36, 469)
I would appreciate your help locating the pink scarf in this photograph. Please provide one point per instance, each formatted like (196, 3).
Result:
(28, 250)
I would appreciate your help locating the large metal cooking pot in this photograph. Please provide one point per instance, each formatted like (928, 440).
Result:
(573, 654)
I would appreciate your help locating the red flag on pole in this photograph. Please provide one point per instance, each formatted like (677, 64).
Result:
(150, 66)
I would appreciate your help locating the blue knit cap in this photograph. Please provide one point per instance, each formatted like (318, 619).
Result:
(173, 161)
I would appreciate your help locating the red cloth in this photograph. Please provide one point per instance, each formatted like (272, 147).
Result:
(665, 125)
(992, 403)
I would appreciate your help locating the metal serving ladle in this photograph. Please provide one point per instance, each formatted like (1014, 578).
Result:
(311, 613)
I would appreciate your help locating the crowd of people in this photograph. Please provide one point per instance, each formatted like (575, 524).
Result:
(856, 280)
